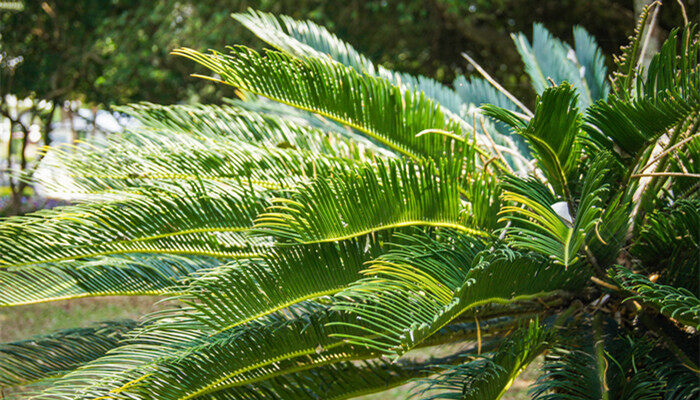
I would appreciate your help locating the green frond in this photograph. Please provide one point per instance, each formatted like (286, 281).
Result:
(594, 360)
(125, 165)
(242, 292)
(381, 111)
(236, 123)
(674, 70)
(626, 63)
(303, 39)
(570, 372)
(552, 133)
(52, 355)
(483, 194)
(677, 303)
(667, 96)
(548, 61)
(411, 292)
(668, 243)
(608, 237)
(224, 144)
(357, 203)
(538, 227)
(307, 39)
(626, 127)
(132, 275)
(239, 357)
(344, 380)
(210, 222)
(488, 378)
(124, 364)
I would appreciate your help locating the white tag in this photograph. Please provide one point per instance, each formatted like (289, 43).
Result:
(562, 210)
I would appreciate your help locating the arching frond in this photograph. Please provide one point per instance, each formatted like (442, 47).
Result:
(344, 380)
(242, 292)
(594, 362)
(303, 39)
(197, 222)
(126, 166)
(488, 378)
(628, 126)
(244, 356)
(552, 133)
(669, 94)
(306, 39)
(668, 243)
(235, 123)
(677, 303)
(570, 372)
(131, 275)
(400, 195)
(52, 355)
(383, 112)
(547, 58)
(538, 227)
(410, 293)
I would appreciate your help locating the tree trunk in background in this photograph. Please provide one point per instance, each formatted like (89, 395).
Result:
(25, 166)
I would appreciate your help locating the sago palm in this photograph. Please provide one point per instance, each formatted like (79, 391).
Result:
(344, 229)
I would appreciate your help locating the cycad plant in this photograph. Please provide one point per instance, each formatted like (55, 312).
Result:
(344, 229)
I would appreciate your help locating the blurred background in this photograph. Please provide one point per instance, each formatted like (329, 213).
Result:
(65, 63)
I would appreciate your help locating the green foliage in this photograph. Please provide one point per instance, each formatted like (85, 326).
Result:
(342, 215)
(490, 377)
(52, 355)
(548, 62)
(677, 303)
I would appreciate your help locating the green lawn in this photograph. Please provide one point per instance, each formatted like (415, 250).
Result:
(22, 322)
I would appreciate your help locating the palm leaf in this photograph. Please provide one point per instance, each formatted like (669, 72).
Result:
(252, 354)
(538, 227)
(667, 96)
(127, 166)
(307, 39)
(676, 303)
(52, 355)
(552, 133)
(400, 195)
(490, 378)
(242, 292)
(410, 293)
(344, 380)
(383, 112)
(154, 222)
(133, 275)
(242, 122)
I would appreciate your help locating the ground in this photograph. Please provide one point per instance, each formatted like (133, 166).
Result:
(18, 323)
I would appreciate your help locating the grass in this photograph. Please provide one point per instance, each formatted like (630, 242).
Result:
(17, 323)
(22, 322)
